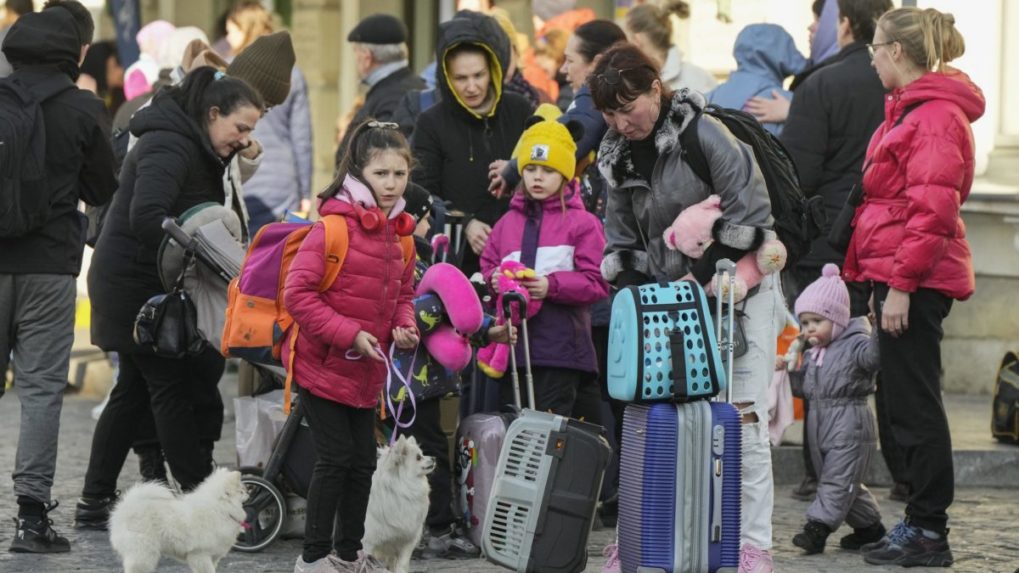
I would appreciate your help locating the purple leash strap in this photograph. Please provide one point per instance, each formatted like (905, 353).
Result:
(393, 372)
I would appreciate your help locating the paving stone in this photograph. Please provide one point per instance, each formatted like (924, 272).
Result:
(984, 520)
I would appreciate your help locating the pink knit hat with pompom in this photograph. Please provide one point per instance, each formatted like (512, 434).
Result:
(828, 297)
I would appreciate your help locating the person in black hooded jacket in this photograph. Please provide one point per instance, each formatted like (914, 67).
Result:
(830, 123)
(831, 120)
(38, 269)
(186, 139)
(475, 123)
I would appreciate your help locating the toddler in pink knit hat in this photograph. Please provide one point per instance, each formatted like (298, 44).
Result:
(837, 375)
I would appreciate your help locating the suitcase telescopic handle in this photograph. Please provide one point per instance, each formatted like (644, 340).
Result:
(507, 301)
(725, 270)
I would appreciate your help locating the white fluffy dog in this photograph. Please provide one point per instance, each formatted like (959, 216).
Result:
(398, 504)
(197, 528)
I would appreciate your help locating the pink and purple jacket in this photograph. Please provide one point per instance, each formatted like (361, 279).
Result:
(565, 247)
(373, 292)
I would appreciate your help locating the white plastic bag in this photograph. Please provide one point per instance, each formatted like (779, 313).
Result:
(297, 509)
(259, 419)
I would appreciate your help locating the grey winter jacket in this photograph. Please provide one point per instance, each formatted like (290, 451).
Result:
(840, 425)
(638, 213)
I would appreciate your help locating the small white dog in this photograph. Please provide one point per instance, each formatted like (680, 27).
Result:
(398, 504)
(197, 528)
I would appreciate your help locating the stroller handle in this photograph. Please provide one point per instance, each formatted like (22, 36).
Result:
(170, 227)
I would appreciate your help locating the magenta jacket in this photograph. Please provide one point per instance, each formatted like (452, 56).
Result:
(568, 252)
(373, 292)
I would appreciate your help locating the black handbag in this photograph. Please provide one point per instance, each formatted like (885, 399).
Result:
(739, 335)
(167, 324)
(842, 229)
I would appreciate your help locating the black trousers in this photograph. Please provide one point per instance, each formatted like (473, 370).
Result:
(911, 392)
(893, 453)
(555, 389)
(427, 430)
(342, 480)
(588, 405)
(167, 386)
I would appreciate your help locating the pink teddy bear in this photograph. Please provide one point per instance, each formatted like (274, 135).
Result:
(494, 358)
(690, 234)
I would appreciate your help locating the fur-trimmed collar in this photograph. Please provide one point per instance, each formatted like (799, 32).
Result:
(614, 156)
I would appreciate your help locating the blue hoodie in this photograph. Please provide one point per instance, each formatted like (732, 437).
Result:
(765, 55)
(825, 44)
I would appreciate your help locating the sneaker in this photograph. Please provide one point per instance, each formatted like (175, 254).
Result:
(862, 536)
(912, 546)
(880, 543)
(364, 564)
(899, 492)
(813, 537)
(369, 564)
(453, 544)
(36, 535)
(93, 512)
(754, 560)
(806, 490)
(612, 563)
(323, 565)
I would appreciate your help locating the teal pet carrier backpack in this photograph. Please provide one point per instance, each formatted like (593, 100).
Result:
(663, 344)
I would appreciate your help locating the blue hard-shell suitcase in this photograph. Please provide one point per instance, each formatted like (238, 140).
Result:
(663, 344)
(680, 488)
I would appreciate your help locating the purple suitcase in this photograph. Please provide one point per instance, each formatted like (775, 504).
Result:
(478, 443)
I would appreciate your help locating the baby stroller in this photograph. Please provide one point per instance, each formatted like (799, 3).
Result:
(204, 233)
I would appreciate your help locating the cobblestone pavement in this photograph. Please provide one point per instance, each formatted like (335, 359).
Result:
(984, 521)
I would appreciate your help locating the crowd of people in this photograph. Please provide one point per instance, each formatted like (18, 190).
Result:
(576, 175)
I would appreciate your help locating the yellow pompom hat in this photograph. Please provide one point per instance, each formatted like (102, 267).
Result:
(547, 142)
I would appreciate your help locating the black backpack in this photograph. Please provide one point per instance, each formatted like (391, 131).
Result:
(96, 215)
(798, 220)
(24, 193)
(1005, 413)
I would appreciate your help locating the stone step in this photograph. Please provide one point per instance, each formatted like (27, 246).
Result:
(973, 468)
(979, 459)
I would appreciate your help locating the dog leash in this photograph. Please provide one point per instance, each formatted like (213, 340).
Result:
(393, 372)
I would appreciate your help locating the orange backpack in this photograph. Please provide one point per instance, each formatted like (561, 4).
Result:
(257, 321)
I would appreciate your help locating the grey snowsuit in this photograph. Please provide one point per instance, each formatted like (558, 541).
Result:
(840, 427)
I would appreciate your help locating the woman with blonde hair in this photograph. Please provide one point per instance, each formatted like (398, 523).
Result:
(283, 182)
(909, 241)
(649, 26)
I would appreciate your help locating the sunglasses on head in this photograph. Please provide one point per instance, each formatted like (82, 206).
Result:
(612, 76)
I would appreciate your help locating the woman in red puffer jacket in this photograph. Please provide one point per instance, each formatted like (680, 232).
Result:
(909, 241)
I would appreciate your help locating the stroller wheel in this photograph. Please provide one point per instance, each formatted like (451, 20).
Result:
(266, 510)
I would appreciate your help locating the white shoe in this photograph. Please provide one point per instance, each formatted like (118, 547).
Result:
(324, 565)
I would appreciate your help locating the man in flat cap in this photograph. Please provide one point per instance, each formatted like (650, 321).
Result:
(380, 50)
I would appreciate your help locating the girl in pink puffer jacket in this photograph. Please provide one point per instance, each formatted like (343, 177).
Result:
(339, 363)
